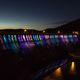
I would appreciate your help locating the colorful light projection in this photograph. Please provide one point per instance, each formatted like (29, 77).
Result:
(26, 43)
(61, 38)
(11, 41)
(70, 38)
(24, 38)
(57, 39)
(2, 45)
(42, 38)
(52, 37)
(36, 40)
(29, 38)
(30, 42)
(75, 38)
(22, 42)
(20, 38)
(6, 42)
(47, 38)
(66, 39)
(9, 38)
(15, 41)
(15, 38)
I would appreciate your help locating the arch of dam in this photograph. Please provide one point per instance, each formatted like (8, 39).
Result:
(23, 41)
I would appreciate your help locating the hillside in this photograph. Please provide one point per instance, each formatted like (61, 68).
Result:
(68, 27)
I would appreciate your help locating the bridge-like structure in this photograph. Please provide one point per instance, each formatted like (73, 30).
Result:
(23, 41)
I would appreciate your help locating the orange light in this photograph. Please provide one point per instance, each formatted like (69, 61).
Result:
(76, 32)
(47, 78)
(58, 72)
(72, 68)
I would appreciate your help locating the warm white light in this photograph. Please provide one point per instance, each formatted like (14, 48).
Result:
(25, 30)
(43, 31)
(58, 32)
(76, 33)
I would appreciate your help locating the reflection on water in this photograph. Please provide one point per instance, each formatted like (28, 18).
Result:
(58, 72)
(65, 72)
(72, 68)
(47, 78)
(56, 75)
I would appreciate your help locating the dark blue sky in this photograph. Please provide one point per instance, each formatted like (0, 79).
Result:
(37, 14)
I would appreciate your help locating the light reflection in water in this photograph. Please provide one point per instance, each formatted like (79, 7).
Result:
(72, 68)
(48, 78)
(58, 72)
(56, 75)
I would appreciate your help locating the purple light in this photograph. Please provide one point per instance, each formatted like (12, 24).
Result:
(47, 37)
(24, 38)
(20, 38)
(66, 39)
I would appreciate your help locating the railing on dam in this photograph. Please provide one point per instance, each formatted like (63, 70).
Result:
(28, 41)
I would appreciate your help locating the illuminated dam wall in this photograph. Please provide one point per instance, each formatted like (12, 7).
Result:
(28, 41)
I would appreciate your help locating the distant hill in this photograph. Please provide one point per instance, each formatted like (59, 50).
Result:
(68, 27)
(18, 31)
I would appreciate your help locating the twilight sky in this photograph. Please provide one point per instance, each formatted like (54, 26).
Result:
(37, 14)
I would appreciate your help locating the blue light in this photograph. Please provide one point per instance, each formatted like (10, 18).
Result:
(57, 39)
(70, 38)
(12, 38)
(5, 41)
(52, 37)
(75, 38)
(9, 38)
(35, 37)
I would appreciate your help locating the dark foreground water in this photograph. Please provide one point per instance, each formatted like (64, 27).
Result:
(69, 71)
(39, 63)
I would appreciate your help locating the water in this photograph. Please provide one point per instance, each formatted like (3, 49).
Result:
(69, 71)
